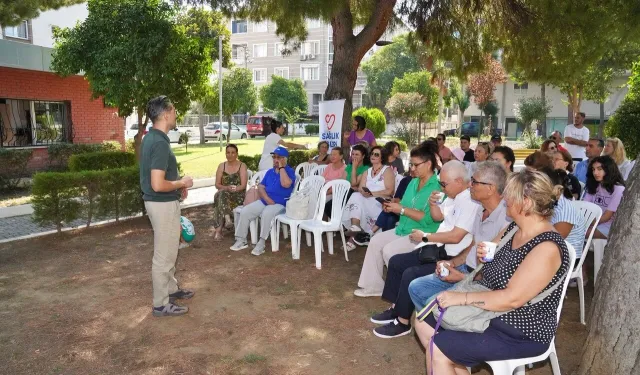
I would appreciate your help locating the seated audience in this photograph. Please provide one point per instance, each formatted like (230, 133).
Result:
(549, 146)
(274, 190)
(614, 148)
(505, 156)
(359, 165)
(563, 160)
(481, 154)
(323, 154)
(496, 141)
(363, 209)
(336, 170)
(605, 187)
(557, 137)
(538, 160)
(514, 279)
(414, 212)
(443, 151)
(393, 152)
(594, 148)
(231, 183)
(461, 216)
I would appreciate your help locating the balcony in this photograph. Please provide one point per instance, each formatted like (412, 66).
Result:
(25, 56)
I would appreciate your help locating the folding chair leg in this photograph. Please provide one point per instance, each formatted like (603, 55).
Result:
(330, 242)
(344, 244)
(581, 295)
(317, 242)
(555, 365)
(295, 243)
(275, 235)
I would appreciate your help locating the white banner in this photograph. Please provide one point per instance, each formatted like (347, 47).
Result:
(331, 122)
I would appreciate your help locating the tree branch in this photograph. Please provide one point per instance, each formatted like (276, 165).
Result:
(373, 30)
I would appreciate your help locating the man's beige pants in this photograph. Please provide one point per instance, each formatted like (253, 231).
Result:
(165, 220)
(382, 247)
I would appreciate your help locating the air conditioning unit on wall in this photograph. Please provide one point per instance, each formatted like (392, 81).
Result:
(303, 57)
(312, 57)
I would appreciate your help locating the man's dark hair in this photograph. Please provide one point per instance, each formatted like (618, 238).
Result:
(426, 151)
(582, 114)
(612, 175)
(507, 153)
(361, 122)
(466, 138)
(157, 106)
(444, 137)
(600, 141)
(339, 149)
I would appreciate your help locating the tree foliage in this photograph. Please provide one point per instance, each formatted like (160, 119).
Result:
(625, 123)
(284, 94)
(482, 85)
(419, 82)
(12, 12)
(239, 95)
(408, 109)
(530, 110)
(374, 118)
(384, 66)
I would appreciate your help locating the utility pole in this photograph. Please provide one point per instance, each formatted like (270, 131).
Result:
(220, 86)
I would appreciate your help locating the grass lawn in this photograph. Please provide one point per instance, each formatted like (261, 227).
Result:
(80, 303)
(202, 160)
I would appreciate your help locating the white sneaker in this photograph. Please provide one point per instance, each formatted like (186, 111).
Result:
(183, 245)
(258, 249)
(355, 228)
(239, 245)
(366, 293)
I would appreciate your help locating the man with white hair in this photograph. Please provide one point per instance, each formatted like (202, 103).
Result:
(459, 215)
(275, 188)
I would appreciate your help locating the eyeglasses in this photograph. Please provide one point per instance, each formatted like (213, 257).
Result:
(443, 184)
(277, 157)
(376, 154)
(475, 182)
(439, 139)
(416, 165)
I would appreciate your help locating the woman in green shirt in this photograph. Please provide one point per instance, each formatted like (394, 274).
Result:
(414, 213)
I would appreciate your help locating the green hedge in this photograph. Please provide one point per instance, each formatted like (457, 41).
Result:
(59, 154)
(98, 161)
(374, 118)
(13, 166)
(312, 129)
(67, 196)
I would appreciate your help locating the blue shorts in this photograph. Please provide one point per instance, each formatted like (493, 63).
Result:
(498, 342)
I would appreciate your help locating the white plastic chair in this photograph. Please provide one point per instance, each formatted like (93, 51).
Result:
(253, 226)
(313, 184)
(305, 168)
(296, 185)
(509, 366)
(591, 213)
(318, 170)
(598, 245)
(340, 189)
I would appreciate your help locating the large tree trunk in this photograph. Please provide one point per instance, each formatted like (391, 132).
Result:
(543, 95)
(569, 111)
(201, 128)
(348, 52)
(613, 343)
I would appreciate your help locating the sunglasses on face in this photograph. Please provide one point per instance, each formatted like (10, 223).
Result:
(376, 154)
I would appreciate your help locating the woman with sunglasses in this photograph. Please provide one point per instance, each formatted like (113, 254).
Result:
(481, 154)
(363, 209)
(549, 146)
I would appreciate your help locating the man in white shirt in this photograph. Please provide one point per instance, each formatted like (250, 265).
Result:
(576, 137)
(459, 215)
(487, 186)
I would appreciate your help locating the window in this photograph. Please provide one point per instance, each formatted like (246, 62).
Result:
(331, 48)
(260, 27)
(260, 75)
(260, 50)
(278, 48)
(281, 72)
(310, 48)
(314, 24)
(520, 89)
(21, 31)
(238, 51)
(239, 26)
(34, 123)
(309, 72)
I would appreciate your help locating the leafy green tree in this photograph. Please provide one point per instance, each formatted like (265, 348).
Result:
(385, 66)
(530, 110)
(239, 95)
(625, 123)
(286, 97)
(483, 85)
(133, 50)
(12, 12)
(408, 109)
(419, 82)
(374, 118)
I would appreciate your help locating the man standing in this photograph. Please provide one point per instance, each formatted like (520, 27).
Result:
(556, 136)
(162, 188)
(576, 136)
(443, 150)
(594, 148)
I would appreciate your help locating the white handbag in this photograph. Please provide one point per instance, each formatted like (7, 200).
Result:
(298, 205)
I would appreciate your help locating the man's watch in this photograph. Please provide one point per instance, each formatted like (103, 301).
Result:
(425, 238)
(402, 211)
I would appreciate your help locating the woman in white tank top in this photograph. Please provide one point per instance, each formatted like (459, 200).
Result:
(363, 209)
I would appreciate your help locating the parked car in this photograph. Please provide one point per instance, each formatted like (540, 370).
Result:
(469, 129)
(212, 131)
(130, 133)
(256, 126)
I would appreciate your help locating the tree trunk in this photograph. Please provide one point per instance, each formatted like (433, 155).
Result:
(229, 120)
(142, 126)
(613, 343)
(440, 107)
(349, 50)
(201, 129)
(460, 122)
(601, 127)
(543, 95)
(569, 110)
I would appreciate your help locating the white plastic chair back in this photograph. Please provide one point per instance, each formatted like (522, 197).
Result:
(256, 178)
(339, 191)
(318, 170)
(296, 185)
(591, 213)
(304, 169)
(314, 185)
(249, 174)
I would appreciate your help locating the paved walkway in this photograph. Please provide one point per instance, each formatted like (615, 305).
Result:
(19, 226)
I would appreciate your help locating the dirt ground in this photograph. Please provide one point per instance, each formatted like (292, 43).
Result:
(80, 303)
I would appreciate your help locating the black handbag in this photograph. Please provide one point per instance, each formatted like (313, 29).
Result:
(431, 253)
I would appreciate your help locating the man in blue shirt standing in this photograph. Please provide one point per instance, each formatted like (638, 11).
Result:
(274, 190)
(594, 148)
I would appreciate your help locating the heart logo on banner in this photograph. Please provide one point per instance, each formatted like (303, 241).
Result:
(330, 120)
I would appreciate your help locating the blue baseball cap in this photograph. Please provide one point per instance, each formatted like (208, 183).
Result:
(281, 151)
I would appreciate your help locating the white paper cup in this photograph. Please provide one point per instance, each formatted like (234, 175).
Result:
(444, 271)
(441, 197)
(491, 251)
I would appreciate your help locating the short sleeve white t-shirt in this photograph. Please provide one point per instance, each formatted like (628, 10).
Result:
(487, 230)
(270, 144)
(462, 212)
(582, 134)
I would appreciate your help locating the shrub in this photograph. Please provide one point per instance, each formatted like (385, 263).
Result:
(111, 146)
(97, 161)
(376, 122)
(59, 154)
(406, 133)
(312, 129)
(625, 123)
(531, 140)
(130, 146)
(13, 166)
(297, 157)
(67, 196)
(252, 162)
(403, 144)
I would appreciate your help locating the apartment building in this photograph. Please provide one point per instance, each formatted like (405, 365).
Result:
(256, 46)
(39, 108)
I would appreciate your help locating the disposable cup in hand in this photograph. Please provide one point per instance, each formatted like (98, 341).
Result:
(440, 196)
(491, 250)
(444, 271)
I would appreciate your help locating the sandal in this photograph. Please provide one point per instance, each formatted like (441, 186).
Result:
(350, 245)
(228, 224)
(217, 236)
(170, 310)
